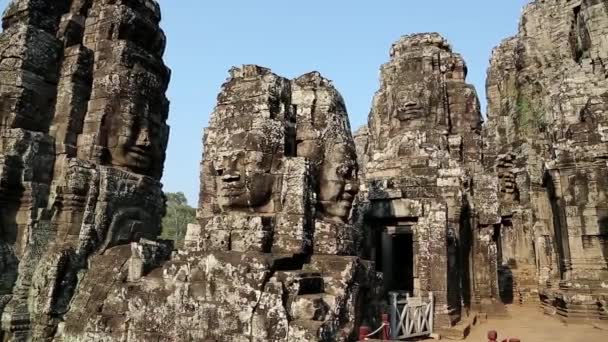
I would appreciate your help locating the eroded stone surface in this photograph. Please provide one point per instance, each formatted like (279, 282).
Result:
(525, 211)
(423, 144)
(83, 136)
(547, 96)
(512, 211)
(83, 143)
(257, 267)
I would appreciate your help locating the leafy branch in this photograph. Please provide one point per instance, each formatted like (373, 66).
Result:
(179, 215)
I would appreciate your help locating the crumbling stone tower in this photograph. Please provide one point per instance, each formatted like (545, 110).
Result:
(252, 268)
(513, 211)
(423, 145)
(307, 133)
(82, 146)
(546, 143)
(289, 177)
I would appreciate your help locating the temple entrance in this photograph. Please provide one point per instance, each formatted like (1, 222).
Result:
(397, 261)
(505, 275)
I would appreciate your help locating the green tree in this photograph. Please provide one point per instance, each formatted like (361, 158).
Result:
(179, 215)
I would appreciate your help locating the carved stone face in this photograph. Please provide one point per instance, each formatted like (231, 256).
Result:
(242, 172)
(338, 183)
(137, 140)
(134, 127)
(411, 109)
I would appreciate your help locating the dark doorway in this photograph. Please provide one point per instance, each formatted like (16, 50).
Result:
(403, 262)
(505, 274)
(398, 262)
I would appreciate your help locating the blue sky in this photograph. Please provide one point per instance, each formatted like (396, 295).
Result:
(345, 40)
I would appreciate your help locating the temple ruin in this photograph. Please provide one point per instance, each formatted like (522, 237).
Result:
(305, 231)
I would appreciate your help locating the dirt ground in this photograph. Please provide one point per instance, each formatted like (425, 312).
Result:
(530, 325)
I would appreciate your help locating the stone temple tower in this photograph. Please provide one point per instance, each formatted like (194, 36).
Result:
(423, 145)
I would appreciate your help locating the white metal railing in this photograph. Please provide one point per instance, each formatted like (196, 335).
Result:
(411, 317)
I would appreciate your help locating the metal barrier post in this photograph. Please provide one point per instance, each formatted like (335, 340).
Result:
(394, 313)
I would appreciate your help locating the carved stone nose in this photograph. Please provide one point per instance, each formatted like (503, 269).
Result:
(143, 138)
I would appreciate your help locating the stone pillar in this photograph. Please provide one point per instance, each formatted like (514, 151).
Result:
(560, 223)
(485, 270)
(433, 259)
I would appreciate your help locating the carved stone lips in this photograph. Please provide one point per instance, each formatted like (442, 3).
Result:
(232, 190)
(140, 155)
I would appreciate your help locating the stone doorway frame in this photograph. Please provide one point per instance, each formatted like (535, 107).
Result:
(387, 245)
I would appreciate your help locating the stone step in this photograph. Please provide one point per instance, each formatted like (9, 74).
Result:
(496, 310)
(301, 282)
(578, 314)
(314, 307)
(461, 330)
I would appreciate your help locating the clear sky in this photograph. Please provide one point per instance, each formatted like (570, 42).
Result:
(345, 40)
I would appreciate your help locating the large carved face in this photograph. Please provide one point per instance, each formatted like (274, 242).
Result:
(137, 139)
(242, 172)
(411, 108)
(338, 184)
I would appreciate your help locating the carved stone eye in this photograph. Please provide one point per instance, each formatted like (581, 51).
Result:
(218, 168)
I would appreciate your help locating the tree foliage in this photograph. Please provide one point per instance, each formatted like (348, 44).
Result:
(179, 215)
